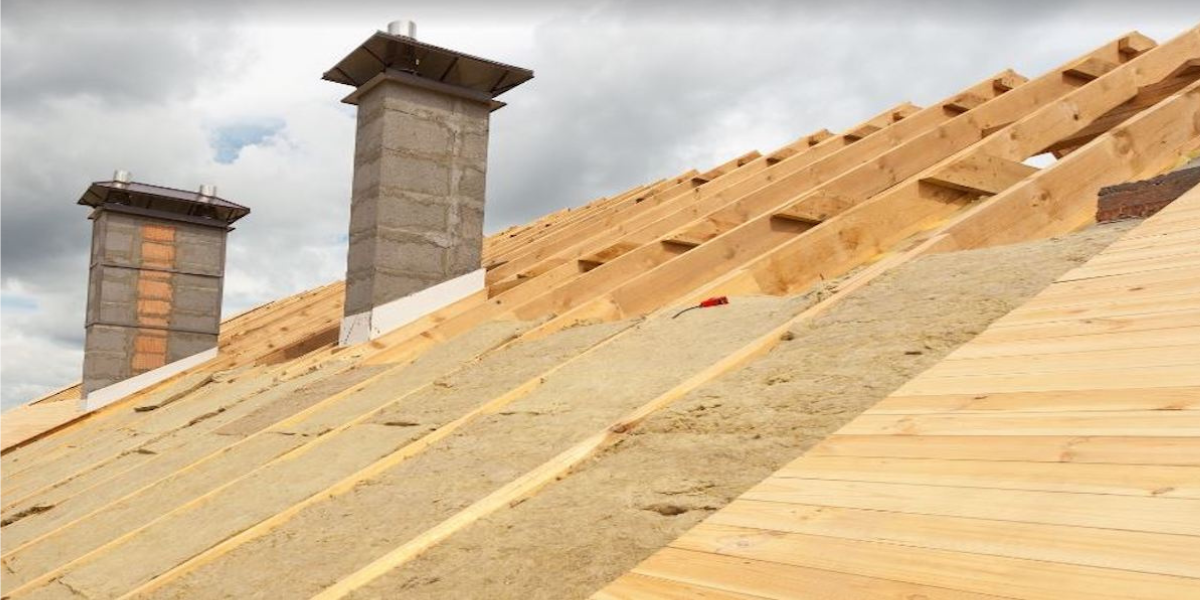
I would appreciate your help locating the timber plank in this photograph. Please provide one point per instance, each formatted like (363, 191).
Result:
(638, 586)
(1136, 551)
(1092, 359)
(1144, 481)
(1142, 399)
(778, 580)
(1147, 423)
(1116, 450)
(1179, 516)
(1037, 580)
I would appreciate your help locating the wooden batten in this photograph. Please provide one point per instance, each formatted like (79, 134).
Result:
(904, 111)
(964, 102)
(1134, 44)
(596, 259)
(682, 241)
(781, 155)
(1090, 68)
(859, 133)
(981, 174)
(500, 287)
(816, 138)
(815, 208)
(699, 233)
(1008, 81)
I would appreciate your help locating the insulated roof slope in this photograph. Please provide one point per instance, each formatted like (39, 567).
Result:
(1055, 456)
(178, 489)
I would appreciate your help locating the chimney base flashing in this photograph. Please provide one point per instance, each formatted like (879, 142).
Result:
(112, 393)
(368, 325)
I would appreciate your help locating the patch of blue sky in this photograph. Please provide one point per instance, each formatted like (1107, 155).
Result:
(14, 303)
(227, 141)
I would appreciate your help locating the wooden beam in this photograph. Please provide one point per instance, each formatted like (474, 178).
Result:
(725, 168)
(681, 275)
(569, 234)
(1147, 96)
(1138, 148)
(754, 203)
(874, 226)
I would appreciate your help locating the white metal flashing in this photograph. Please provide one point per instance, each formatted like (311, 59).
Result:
(109, 394)
(368, 325)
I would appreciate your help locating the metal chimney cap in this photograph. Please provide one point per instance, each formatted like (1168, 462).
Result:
(208, 190)
(121, 176)
(403, 28)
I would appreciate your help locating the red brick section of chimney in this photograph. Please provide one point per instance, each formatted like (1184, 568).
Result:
(1140, 199)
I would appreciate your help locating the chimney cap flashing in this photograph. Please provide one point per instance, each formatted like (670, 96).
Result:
(382, 52)
(170, 202)
(421, 82)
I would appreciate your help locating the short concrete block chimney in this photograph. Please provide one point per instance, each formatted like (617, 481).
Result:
(420, 165)
(154, 283)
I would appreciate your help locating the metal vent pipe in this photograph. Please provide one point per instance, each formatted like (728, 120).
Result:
(403, 28)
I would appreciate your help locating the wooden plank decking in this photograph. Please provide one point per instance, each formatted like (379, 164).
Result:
(1055, 456)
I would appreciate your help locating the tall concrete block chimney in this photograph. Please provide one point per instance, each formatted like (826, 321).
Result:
(420, 163)
(154, 283)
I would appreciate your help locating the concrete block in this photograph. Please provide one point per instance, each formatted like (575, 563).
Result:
(414, 100)
(369, 142)
(106, 338)
(181, 344)
(472, 183)
(470, 223)
(409, 134)
(364, 212)
(200, 249)
(415, 257)
(117, 298)
(421, 175)
(410, 212)
(366, 180)
(474, 149)
(107, 352)
(463, 259)
(390, 285)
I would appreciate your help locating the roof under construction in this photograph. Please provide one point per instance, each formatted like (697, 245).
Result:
(937, 376)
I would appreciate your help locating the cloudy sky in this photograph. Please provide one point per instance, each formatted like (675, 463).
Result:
(185, 93)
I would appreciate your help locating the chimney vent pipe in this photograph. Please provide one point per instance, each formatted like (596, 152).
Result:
(121, 176)
(403, 28)
(208, 190)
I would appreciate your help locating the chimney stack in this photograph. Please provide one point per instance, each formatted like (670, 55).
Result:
(154, 283)
(420, 161)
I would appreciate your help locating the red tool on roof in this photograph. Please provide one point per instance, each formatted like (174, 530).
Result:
(715, 301)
